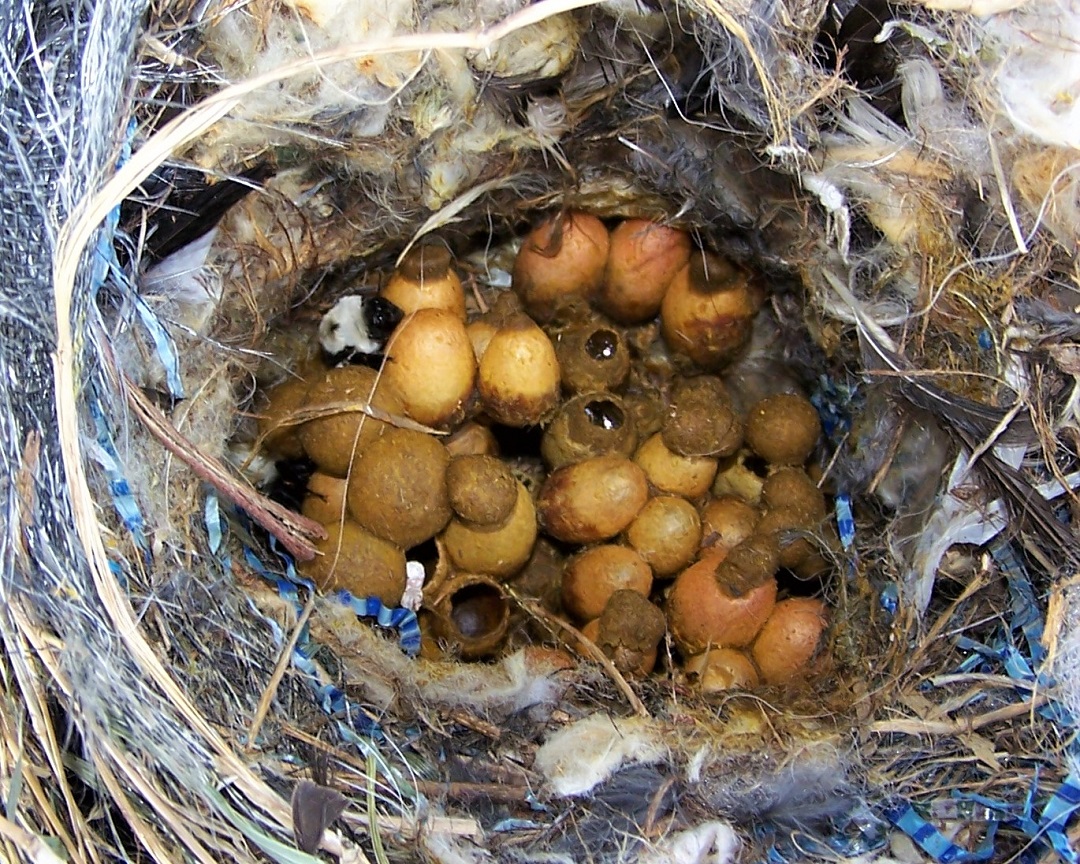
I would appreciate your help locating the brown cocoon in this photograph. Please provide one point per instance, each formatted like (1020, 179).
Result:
(592, 500)
(482, 489)
(788, 527)
(332, 441)
(397, 488)
(591, 577)
(700, 419)
(590, 424)
(480, 333)
(280, 437)
(629, 631)
(354, 559)
(472, 614)
(792, 489)
(783, 429)
(642, 260)
(499, 551)
(592, 357)
(561, 262)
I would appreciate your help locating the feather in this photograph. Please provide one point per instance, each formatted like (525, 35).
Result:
(188, 217)
(314, 809)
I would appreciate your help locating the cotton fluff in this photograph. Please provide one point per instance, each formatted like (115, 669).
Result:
(707, 843)
(354, 98)
(579, 756)
(1038, 74)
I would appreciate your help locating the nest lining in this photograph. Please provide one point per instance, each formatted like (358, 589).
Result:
(267, 265)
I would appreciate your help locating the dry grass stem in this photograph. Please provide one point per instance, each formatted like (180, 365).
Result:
(279, 672)
(579, 642)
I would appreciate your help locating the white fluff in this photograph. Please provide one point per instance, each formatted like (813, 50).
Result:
(707, 843)
(414, 585)
(357, 97)
(588, 752)
(1038, 79)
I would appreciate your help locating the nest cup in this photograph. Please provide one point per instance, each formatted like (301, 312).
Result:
(183, 715)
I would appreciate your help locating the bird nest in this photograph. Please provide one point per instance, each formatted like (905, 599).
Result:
(900, 180)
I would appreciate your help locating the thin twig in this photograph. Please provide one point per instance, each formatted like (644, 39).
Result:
(501, 793)
(538, 612)
(959, 726)
(279, 672)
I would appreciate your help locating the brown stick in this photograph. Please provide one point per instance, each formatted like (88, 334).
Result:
(499, 792)
(958, 726)
(292, 529)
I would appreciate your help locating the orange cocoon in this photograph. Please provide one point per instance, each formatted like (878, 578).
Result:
(472, 439)
(703, 613)
(480, 332)
(708, 311)
(592, 500)
(789, 638)
(430, 362)
(666, 533)
(425, 279)
(720, 669)
(560, 262)
(519, 375)
(642, 260)
(689, 476)
(592, 576)
(727, 521)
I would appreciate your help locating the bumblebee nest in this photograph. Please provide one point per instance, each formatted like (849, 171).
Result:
(906, 180)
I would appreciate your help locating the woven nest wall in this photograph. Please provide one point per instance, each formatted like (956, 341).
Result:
(900, 180)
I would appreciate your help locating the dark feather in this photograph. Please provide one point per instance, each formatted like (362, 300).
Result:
(314, 809)
(972, 424)
(1057, 325)
(186, 217)
(978, 421)
(869, 65)
(1026, 506)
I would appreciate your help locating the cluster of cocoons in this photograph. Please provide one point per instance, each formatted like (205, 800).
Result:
(670, 511)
